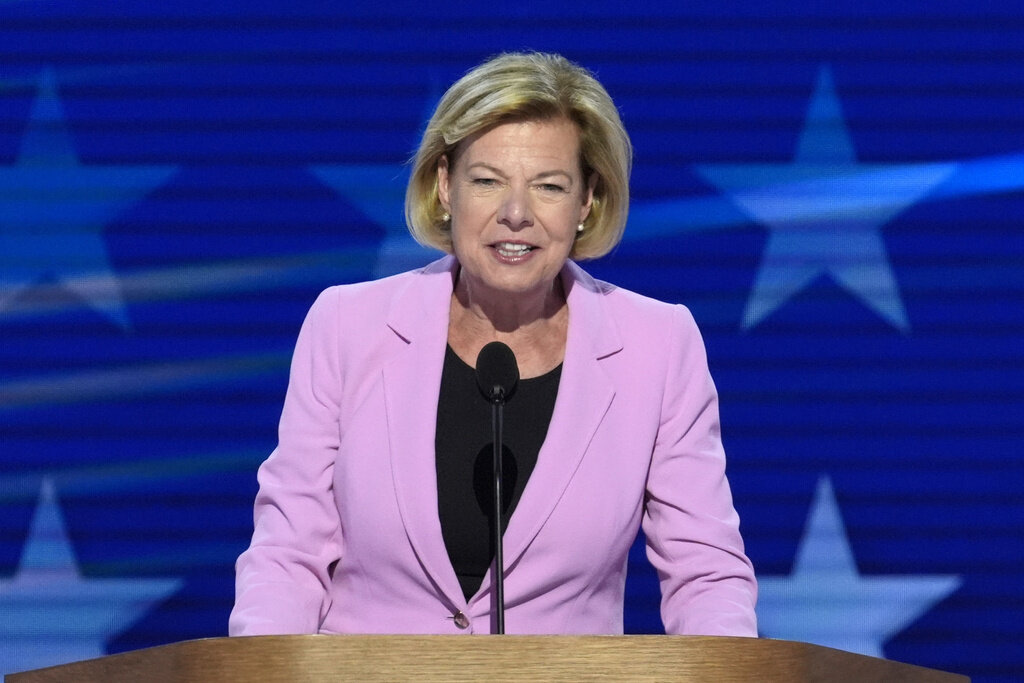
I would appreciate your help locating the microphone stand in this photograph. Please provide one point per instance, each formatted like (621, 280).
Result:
(497, 415)
(497, 374)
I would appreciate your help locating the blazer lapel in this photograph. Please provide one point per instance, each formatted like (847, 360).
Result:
(412, 384)
(584, 396)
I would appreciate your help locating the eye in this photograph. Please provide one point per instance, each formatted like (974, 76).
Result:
(484, 182)
(552, 187)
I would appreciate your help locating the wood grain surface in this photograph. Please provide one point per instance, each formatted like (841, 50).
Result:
(271, 659)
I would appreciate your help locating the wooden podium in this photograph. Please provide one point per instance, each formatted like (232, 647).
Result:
(484, 658)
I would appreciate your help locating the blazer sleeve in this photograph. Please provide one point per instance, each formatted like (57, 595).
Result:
(692, 530)
(281, 581)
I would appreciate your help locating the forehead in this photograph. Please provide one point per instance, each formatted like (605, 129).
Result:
(549, 141)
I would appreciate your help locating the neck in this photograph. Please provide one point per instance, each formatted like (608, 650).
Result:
(534, 327)
(503, 313)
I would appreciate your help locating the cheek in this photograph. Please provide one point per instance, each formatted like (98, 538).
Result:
(471, 213)
(563, 223)
(462, 235)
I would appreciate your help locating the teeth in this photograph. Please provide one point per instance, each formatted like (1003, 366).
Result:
(512, 249)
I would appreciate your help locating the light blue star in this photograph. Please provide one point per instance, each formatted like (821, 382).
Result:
(827, 602)
(53, 211)
(825, 212)
(378, 191)
(51, 614)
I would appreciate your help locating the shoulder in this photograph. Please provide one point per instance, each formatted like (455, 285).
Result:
(353, 328)
(634, 314)
(375, 299)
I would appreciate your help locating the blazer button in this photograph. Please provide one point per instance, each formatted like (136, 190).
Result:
(461, 620)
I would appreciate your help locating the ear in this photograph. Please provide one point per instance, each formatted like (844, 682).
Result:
(443, 190)
(588, 199)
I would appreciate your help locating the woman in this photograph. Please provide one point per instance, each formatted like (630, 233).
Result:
(368, 518)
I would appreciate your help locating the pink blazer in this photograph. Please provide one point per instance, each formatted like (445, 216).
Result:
(347, 537)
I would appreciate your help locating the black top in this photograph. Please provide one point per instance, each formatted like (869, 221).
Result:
(464, 455)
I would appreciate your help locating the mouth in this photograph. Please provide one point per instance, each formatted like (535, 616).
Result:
(512, 249)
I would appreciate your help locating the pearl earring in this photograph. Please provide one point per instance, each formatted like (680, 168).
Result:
(579, 228)
(445, 217)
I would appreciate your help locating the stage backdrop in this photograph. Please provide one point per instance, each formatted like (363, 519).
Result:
(834, 189)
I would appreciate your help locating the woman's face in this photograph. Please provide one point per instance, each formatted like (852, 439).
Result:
(516, 195)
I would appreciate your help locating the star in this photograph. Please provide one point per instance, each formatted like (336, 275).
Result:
(378, 191)
(53, 210)
(826, 601)
(825, 212)
(52, 614)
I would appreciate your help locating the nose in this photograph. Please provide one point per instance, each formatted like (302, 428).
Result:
(515, 211)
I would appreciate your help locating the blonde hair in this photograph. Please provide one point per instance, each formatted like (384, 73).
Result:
(527, 86)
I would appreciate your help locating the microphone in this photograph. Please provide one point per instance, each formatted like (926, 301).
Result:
(497, 375)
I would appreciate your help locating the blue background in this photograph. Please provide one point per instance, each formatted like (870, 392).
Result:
(834, 190)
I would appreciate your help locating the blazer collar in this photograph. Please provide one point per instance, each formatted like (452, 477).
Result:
(412, 384)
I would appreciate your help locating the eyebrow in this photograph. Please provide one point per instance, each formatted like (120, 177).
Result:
(539, 176)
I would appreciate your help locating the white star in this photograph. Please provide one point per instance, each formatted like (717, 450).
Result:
(827, 602)
(53, 211)
(825, 212)
(51, 613)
